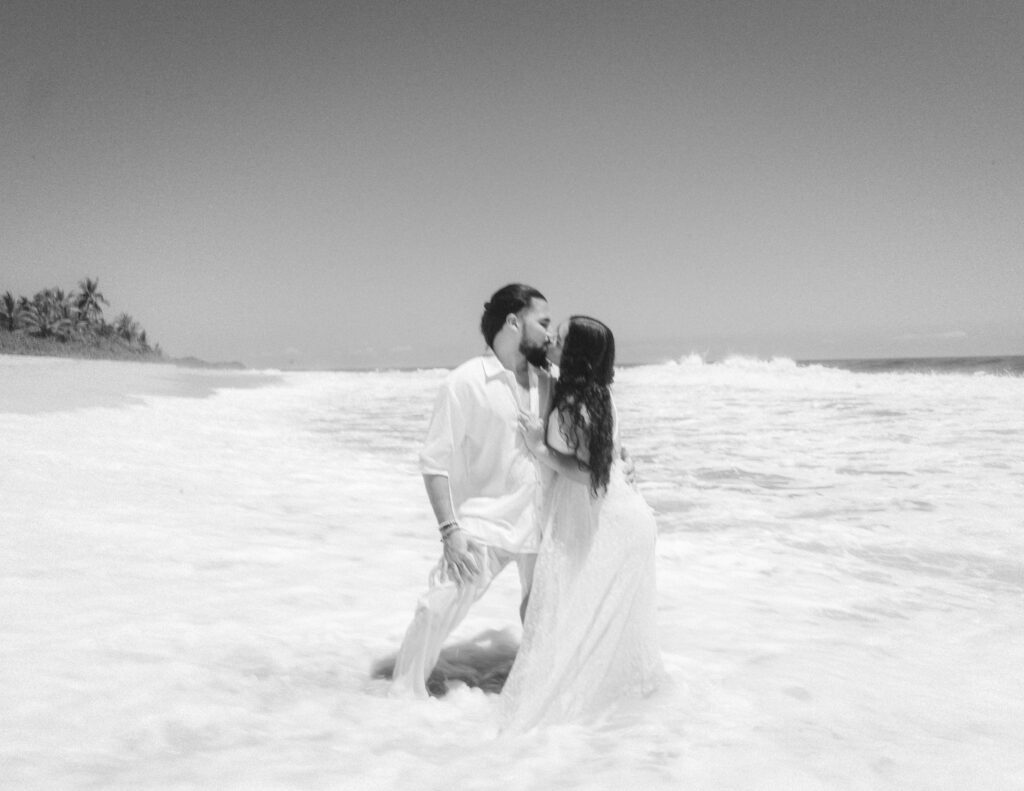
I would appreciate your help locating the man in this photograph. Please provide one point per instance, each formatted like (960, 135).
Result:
(482, 481)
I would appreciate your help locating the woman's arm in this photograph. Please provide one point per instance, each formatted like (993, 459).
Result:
(563, 463)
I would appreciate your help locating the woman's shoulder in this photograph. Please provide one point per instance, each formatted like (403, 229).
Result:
(559, 431)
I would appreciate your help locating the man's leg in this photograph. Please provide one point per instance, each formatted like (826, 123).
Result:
(438, 612)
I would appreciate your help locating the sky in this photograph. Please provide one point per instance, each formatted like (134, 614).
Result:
(344, 184)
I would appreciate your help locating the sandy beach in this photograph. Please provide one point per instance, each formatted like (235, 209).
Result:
(48, 384)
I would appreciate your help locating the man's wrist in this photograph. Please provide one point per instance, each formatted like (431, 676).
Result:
(447, 527)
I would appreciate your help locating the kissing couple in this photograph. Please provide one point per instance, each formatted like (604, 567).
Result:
(523, 463)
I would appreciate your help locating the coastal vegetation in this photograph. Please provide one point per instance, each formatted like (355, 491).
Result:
(58, 324)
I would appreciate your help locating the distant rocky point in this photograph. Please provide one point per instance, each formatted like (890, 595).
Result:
(195, 362)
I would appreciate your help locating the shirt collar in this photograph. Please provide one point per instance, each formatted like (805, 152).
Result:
(493, 367)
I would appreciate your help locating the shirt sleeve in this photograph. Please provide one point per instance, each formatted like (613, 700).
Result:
(444, 434)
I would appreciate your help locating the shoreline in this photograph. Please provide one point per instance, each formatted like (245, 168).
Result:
(106, 349)
(41, 384)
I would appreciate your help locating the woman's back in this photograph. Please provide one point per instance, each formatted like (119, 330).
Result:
(590, 636)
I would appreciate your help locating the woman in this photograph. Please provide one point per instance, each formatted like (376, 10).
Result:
(590, 635)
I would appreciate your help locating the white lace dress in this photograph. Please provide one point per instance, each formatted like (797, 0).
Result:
(590, 635)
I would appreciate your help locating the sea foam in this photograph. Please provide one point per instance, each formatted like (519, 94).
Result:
(193, 590)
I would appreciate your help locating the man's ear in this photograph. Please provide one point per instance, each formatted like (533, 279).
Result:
(512, 320)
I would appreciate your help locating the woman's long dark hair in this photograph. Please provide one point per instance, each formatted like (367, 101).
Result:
(582, 396)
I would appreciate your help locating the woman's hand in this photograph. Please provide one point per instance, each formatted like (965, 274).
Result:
(532, 429)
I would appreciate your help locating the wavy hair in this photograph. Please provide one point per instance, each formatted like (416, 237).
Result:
(582, 396)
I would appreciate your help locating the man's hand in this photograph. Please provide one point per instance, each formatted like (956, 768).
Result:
(628, 468)
(462, 557)
(532, 429)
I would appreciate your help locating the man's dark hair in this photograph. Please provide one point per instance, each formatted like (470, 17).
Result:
(510, 299)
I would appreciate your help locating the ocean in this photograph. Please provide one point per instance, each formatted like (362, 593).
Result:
(198, 571)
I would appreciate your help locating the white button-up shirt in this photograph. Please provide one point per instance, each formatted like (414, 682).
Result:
(474, 440)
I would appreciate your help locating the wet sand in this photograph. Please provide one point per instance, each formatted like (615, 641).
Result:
(30, 385)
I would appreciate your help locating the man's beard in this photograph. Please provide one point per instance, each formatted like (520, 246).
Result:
(536, 356)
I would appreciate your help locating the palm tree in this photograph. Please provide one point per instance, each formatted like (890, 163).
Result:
(24, 307)
(50, 314)
(126, 327)
(10, 308)
(68, 309)
(88, 300)
(46, 323)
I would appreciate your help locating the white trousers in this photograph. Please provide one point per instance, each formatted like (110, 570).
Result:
(439, 611)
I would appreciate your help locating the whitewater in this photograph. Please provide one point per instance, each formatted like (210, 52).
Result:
(198, 571)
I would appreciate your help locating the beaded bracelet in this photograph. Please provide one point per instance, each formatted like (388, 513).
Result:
(447, 528)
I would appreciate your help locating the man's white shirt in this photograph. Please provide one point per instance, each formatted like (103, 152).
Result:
(474, 440)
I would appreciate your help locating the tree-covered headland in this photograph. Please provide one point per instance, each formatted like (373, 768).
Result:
(55, 323)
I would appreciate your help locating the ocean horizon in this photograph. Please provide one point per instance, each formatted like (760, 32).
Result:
(1007, 364)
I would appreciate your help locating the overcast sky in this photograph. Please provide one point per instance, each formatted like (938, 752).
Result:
(329, 184)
